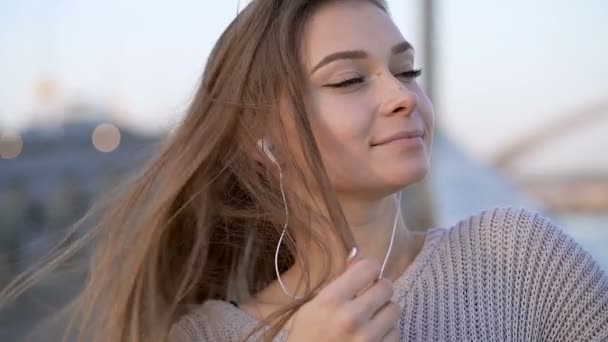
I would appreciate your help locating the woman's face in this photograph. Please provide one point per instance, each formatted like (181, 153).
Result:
(363, 91)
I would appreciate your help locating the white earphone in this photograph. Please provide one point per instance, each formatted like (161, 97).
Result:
(264, 145)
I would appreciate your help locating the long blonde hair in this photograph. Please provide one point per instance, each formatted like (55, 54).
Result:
(202, 218)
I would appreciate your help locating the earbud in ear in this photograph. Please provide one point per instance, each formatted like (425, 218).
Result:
(264, 145)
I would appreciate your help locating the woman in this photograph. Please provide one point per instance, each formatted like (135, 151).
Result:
(307, 124)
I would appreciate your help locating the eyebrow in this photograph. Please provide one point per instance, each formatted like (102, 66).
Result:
(358, 54)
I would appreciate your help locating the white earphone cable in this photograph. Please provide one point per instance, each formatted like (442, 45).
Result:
(276, 254)
(390, 245)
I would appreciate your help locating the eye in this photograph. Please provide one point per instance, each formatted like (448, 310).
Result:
(411, 74)
(352, 81)
(346, 83)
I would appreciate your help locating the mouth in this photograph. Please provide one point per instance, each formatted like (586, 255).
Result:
(404, 137)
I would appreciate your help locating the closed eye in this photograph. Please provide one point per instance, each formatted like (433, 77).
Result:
(346, 83)
(411, 74)
(352, 81)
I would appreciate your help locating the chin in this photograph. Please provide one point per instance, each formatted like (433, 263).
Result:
(403, 177)
(385, 181)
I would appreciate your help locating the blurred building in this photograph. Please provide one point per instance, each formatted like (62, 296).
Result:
(58, 173)
(48, 186)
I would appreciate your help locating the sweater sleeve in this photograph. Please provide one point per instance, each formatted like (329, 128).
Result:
(568, 289)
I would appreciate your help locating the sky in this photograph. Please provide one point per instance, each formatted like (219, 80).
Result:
(504, 70)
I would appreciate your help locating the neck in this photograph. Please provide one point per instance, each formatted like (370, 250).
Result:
(371, 223)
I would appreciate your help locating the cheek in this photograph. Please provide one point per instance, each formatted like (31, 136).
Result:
(341, 122)
(425, 108)
(341, 126)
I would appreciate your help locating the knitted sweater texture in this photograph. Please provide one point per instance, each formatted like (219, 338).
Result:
(505, 274)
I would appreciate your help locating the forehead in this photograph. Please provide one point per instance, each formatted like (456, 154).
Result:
(348, 25)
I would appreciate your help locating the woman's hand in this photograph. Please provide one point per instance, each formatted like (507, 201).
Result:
(353, 307)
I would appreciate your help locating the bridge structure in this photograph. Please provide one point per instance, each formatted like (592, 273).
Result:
(572, 192)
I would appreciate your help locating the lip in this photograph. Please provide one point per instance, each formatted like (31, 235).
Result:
(417, 133)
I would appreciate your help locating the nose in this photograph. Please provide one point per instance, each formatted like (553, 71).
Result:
(398, 98)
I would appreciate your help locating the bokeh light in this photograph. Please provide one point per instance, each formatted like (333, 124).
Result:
(106, 137)
(11, 145)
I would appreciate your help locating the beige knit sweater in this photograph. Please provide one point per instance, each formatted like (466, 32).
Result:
(505, 274)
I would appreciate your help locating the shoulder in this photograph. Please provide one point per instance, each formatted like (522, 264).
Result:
(517, 242)
(216, 320)
(500, 218)
(528, 258)
(509, 227)
(212, 320)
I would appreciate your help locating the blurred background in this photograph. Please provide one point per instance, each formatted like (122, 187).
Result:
(88, 87)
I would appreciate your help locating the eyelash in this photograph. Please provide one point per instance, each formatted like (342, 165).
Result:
(346, 83)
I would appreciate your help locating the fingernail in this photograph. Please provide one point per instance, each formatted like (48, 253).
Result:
(353, 254)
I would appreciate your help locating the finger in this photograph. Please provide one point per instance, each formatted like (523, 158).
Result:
(355, 279)
(383, 321)
(373, 299)
(391, 336)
